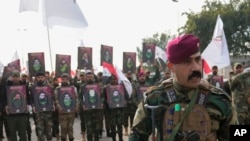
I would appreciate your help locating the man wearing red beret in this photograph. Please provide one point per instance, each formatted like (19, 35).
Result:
(184, 107)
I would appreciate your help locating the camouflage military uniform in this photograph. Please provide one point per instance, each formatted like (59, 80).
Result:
(116, 117)
(213, 103)
(66, 120)
(241, 97)
(92, 119)
(81, 112)
(43, 119)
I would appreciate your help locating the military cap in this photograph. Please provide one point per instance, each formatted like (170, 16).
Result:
(16, 73)
(65, 75)
(237, 64)
(182, 47)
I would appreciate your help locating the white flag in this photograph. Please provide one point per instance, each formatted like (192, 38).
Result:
(160, 53)
(122, 78)
(216, 53)
(64, 13)
(28, 5)
(15, 56)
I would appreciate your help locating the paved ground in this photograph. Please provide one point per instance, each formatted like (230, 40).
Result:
(77, 134)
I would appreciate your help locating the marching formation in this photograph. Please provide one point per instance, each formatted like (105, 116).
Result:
(175, 103)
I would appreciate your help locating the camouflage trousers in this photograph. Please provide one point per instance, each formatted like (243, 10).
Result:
(243, 118)
(44, 125)
(93, 124)
(66, 121)
(116, 122)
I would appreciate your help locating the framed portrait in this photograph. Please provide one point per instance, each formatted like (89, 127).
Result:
(116, 96)
(43, 98)
(7, 72)
(63, 64)
(36, 63)
(67, 99)
(148, 53)
(129, 62)
(106, 54)
(92, 97)
(217, 81)
(15, 65)
(140, 92)
(16, 99)
(85, 58)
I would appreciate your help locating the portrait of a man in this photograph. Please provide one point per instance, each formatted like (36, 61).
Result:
(92, 96)
(67, 100)
(116, 96)
(42, 99)
(17, 101)
(106, 54)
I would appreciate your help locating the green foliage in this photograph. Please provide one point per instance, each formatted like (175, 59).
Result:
(236, 19)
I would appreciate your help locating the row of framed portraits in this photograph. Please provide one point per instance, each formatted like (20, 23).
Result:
(43, 100)
(36, 60)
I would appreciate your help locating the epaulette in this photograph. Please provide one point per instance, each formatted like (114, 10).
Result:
(163, 86)
(219, 91)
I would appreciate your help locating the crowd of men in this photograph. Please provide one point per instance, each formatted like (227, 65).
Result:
(177, 105)
(54, 122)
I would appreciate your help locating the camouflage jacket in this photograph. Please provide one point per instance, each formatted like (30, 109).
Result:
(216, 103)
(240, 92)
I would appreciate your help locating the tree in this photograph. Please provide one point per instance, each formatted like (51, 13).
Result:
(235, 16)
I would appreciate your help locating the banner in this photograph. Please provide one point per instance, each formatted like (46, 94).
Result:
(116, 96)
(129, 62)
(92, 97)
(85, 58)
(140, 92)
(16, 99)
(43, 98)
(106, 54)
(148, 53)
(36, 63)
(67, 99)
(63, 64)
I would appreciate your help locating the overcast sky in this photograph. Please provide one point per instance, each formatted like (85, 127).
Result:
(118, 23)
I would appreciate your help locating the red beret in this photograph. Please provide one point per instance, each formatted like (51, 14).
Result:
(182, 47)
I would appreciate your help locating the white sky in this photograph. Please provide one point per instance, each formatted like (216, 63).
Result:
(118, 23)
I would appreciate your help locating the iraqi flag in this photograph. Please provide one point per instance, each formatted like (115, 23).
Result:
(120, 76)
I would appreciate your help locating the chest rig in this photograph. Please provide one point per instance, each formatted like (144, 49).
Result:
(196, 126)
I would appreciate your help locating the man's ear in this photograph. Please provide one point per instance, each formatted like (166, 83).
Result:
(170, 66)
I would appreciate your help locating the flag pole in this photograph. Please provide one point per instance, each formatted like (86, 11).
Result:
(48, 35)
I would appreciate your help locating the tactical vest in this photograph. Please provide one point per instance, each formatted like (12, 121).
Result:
(197, 124)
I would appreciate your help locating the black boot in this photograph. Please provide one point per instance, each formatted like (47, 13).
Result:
(71, 139)
(120, 138)
(63, 139)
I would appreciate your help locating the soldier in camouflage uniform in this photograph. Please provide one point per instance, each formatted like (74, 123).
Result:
(43, 119)
(116, 115)
(92, 116)
(240, 94)
(183, 107)
(55, 122)
(78, 85)
(66, 119)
